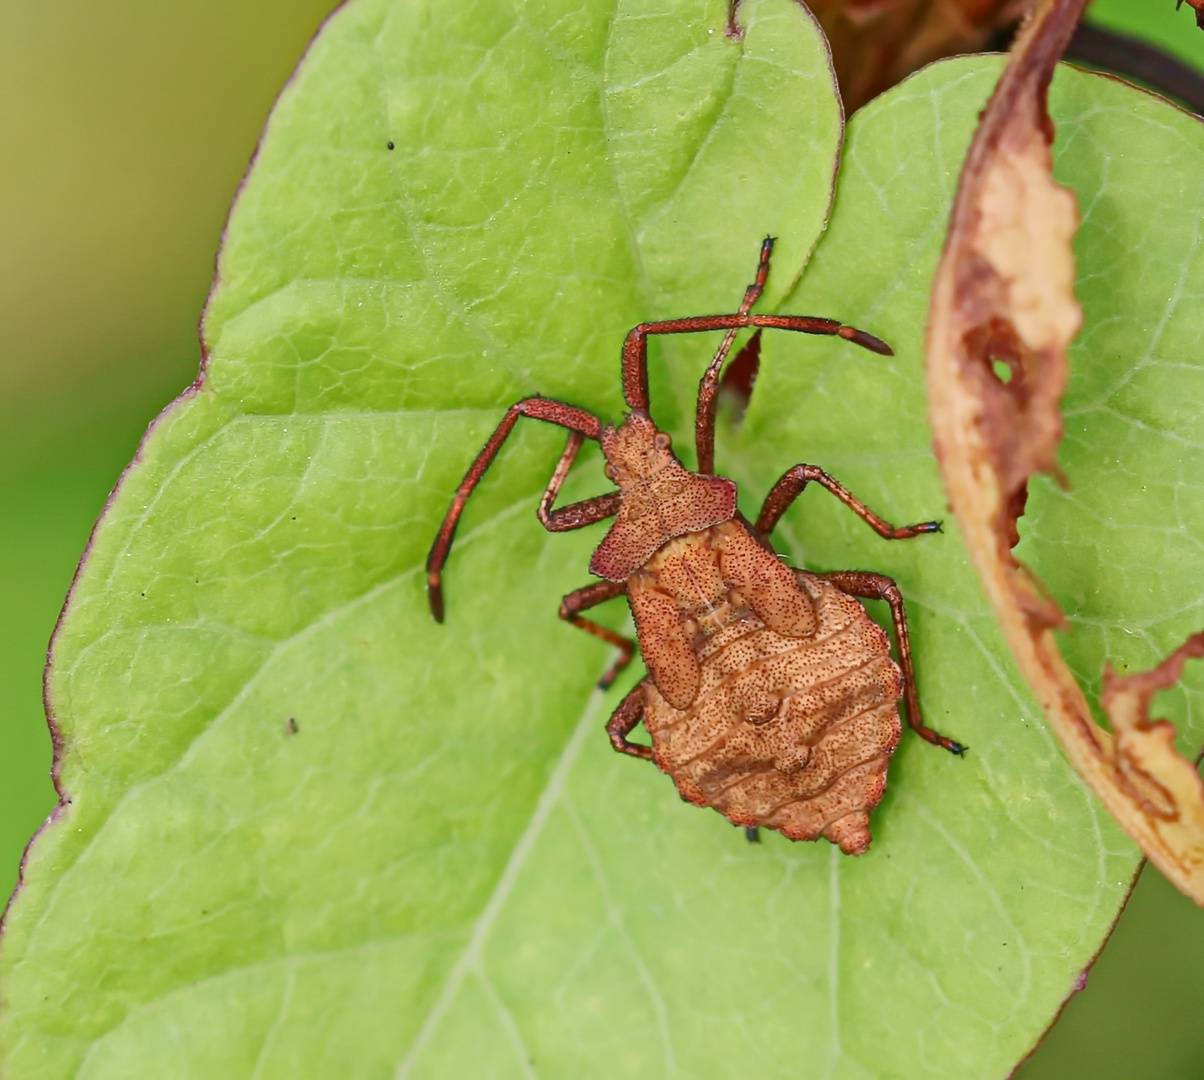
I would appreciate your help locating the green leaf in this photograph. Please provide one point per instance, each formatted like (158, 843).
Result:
(1043, 867)
(445, 868)
(557, 174)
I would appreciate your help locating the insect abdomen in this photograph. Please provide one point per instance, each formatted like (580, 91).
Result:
(794, 734)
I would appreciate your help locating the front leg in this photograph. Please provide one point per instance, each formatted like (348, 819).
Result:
(870, 586)
(578, 421)
(629, 713)
(579, 514)
(591, 596)
(791, 486)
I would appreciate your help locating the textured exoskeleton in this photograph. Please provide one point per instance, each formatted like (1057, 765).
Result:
(771, 695)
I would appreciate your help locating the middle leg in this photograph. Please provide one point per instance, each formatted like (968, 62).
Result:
(791, 486)
(591, 596)
(870, 586)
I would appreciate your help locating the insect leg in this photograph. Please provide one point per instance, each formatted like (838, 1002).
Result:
(872, 586)
(624, 719)
(791, 486)
(554, 412)
(591, 596)
(635, 354)
(575, 515)
(708, 385)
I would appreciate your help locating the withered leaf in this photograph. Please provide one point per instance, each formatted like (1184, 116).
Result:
(1002, 315)
(1199, 8)
(877, 43)
(1162, 781)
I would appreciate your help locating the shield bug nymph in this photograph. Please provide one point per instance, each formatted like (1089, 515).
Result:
(771, 695)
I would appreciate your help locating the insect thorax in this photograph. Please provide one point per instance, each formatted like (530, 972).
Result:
(661, 499)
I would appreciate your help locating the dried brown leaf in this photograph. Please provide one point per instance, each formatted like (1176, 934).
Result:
(1002, 315)
(877, 43)
(1199, 8)
(1162, 781)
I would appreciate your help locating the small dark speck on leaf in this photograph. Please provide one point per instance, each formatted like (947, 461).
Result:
(389, 144)
(290, 725)
(144, 596)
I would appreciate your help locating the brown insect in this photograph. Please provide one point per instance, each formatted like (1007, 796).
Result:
(771, 695)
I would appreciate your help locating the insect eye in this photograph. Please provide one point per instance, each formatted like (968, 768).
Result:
(611, 472)
(662, 441)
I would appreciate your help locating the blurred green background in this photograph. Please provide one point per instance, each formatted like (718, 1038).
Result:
(125, 128)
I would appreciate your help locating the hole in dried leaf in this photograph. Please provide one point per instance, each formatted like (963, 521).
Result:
(999, 347)
(1014, 512)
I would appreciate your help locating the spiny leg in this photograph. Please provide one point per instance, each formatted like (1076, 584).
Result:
(872, 586)
(635, 347)
(575, 515)
(708, 385)
(623, 721)
(554, 412)
(591, 596)
(791, 486)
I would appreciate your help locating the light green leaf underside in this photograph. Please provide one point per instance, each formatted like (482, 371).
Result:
(446, 871)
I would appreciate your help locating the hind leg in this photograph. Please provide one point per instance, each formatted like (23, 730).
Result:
(791, 485)
(870, 586)
(621, 724)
